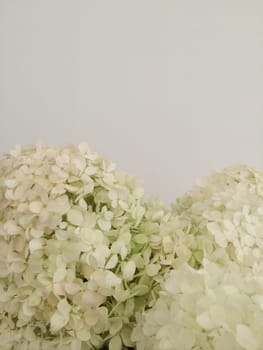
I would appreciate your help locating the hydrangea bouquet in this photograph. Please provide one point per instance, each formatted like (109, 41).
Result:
(86, 262)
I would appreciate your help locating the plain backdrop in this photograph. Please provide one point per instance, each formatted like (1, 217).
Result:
(168, 90)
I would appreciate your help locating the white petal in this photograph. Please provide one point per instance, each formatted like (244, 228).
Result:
(129, 270)
(218, 234)
(35, 207)
(35, 244)
(115, 343)
(205, 321)
(112, 262)
(58, 321)
(246, 338)
(72, 288)
(115, 325)
(59, 274)
(152, 269)
(83, 334)
(104, 225)
(11, 183)
(75, 217)
(63, 307)
(112, 280)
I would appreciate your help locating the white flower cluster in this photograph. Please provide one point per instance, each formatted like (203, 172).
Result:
(66, 223)
(227, 209)
(86, 261)
(219, 304)
(213, 308)
(80, 250)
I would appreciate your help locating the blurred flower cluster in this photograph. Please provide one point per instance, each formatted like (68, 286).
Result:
(86, 261)
(220, 304)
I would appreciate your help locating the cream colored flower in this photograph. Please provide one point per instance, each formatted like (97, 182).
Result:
(80, 250)
(211, 308)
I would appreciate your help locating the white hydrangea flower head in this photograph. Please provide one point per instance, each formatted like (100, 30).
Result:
(227, 210)
(66, 223)
(212, 308)
(80, 250)
(214, 302)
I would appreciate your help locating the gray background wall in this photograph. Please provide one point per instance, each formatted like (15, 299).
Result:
(167, 89)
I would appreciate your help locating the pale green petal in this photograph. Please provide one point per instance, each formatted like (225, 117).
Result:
(115, 343)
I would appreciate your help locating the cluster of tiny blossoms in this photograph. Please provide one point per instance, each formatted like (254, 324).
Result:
(80, 251)
(86, 261)
(213, 308)
(227, 209)
(220, 304)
